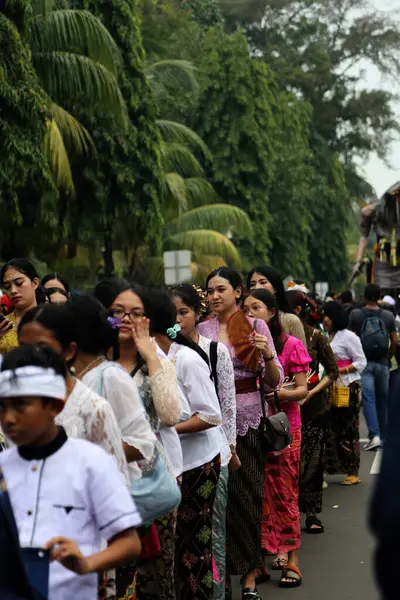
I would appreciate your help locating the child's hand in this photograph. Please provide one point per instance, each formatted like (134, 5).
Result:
(68, 554)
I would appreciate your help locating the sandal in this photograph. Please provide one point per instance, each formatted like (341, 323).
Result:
(351, 480)
(296, 577)
(279, 563)
(250, 594)
(314, 525)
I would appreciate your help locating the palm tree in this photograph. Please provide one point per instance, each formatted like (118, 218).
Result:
(74, 57)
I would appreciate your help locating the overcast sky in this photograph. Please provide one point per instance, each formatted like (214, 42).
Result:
(376, 172)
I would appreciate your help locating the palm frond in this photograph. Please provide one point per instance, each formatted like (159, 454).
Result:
(58, 158)
(206, 241)
(75, 136)
(200, 191)
(67, 75)
(42, 8)
(218, 217)
(171, 75)
(171, 131)
(177, 157)
(208, 263)
(173, 187)
(78, 31)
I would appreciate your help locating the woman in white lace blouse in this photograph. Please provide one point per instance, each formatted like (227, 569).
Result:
(158, 387)
(85, 414)
(190, 302)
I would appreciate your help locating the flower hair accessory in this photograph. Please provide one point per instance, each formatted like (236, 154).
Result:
(114, 322)
(172, 332)
(203, 297)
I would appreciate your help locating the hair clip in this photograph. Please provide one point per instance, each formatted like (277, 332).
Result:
(203, 298)
(114, 322)
(172, 332)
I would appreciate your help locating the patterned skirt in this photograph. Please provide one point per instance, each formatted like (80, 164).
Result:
(244, 512)
(155, 576)
(193, 552)
(342, 449)
(313, 436)
(281, 515)
(219, 535)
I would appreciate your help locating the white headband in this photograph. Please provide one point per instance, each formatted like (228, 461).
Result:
(32, 381)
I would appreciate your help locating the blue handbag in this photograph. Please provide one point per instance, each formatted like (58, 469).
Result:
(156, 493)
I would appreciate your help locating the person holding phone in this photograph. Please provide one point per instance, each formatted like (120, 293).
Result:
(20, 282)
(63, 504)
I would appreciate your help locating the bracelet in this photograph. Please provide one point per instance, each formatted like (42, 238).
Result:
(270, 358)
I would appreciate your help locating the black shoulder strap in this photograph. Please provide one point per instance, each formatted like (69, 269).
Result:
(213, 363)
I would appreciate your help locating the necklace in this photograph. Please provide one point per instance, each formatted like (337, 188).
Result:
(98, 359)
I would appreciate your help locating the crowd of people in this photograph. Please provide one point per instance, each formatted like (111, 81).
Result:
(192, 480)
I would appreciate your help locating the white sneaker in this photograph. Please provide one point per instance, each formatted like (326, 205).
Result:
(373, 444)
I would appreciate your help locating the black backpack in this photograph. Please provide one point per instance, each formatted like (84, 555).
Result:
(374, 335)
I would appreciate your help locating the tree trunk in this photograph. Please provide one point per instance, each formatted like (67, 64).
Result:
(108, 258)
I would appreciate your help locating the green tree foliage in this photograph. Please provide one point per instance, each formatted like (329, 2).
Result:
(206, 12)
(119, 187)
(24, 172)
(235, 119)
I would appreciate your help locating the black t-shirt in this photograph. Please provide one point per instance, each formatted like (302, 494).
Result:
(358, 316)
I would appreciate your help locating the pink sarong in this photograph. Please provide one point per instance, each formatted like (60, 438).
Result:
(281, 515)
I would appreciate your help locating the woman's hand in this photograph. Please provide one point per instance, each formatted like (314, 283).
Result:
(261, 343)
(146, 347)
(5, 327)
(67, 552)
(234, 463)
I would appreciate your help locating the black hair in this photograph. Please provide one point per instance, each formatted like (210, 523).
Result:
(161, 311)
(109, 288)
(372, 292)
(22, 265)
(336, 313)
(298, 298)
(57, 276)
(92, 332)
(35, 356)
(188, 294)
(54, 317)
(276, 280)
(230, 275)
(275, 325)
(346, 297)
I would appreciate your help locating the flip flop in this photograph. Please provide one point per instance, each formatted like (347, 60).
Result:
(351, 480)
(314, 525)
(296, 582)
(279, 563)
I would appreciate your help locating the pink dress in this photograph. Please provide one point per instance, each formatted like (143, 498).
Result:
(281, 515)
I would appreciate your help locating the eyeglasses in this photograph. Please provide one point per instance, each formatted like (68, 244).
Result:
(120, 314)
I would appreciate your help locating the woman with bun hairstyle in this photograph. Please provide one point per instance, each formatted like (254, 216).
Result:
(20, 282)
(268, 278)
(158, 387)
(190, 303)
(200, 437)
(252, 351)
(85, 415)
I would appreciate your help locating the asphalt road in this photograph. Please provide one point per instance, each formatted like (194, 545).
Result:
(338, 564)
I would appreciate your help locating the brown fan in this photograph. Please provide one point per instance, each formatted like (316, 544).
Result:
(239, 331)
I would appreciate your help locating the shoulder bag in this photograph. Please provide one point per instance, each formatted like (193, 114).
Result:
(275, 430)
(156, 493)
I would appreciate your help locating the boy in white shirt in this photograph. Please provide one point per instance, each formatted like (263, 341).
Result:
(67, 494)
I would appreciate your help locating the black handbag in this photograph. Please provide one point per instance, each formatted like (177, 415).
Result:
(275, 430)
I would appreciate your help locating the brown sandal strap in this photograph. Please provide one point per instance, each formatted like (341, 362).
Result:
(293, 569)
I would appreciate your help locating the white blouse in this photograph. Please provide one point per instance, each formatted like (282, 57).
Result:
(227, 396)
(346, 345)
(76, 492)
(113, 383)
(89, 417)
(199, 399)
(161, 397)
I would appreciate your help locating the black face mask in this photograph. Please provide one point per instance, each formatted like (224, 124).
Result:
(54, 290)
